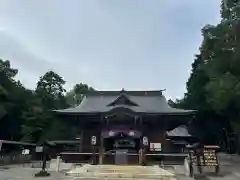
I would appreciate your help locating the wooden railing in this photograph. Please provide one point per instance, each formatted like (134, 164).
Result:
(8, 159)
(133, 158)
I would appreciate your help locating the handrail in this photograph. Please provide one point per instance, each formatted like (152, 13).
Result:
(169, 154)
(129, 154)
(77, 153)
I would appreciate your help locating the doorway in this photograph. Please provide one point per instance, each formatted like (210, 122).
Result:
(126, 143)
(121, 157)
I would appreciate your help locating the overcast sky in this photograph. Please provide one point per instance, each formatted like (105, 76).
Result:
(108, 44)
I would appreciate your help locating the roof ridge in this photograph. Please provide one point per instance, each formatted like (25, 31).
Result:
(131, 93)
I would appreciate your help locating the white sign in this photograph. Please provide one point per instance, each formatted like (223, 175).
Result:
(131, 133)
(145, 141)
(39, 149)
(111, 133)
(155, 147)
(94, 140)
(25, 152)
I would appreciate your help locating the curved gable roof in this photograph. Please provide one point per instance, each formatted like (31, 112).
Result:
(146, 101)
(180, 131)
(122, 99)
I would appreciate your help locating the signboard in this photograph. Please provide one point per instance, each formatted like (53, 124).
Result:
(204, 156)
(145, 141)
(39, 149)
(94, 140)
(25, 151)
(155, 147)
(209, 158)
(192, 156)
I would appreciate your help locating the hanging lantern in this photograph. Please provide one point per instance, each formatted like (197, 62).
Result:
(145, 141)
(94, 140)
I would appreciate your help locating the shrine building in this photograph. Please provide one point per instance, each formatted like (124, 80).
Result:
(127, 127)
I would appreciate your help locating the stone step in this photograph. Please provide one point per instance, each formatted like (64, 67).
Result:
(121, 172)
(123, 175)
(110, 178)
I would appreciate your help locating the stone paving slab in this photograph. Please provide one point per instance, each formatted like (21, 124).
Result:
(117, 171)
(27, 173)
(21, 173)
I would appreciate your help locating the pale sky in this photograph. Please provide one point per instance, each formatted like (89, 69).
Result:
(108, 44)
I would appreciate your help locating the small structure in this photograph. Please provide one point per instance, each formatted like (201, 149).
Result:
(117, 127)
(6, 145)
(14, 152)
(64, 146)
(202, 156)
(180, 137)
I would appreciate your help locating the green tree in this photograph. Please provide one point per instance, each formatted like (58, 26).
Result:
(5, 69)
(75, 96)
(27, 114)
(214, 84)
(39, 120)
(36, 120)
(12, 100)
(6, 78)
(50, 89)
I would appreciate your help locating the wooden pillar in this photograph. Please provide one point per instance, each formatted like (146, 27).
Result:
(94, 148)
(81, 141)
(1, 145)
(81, 124)
(144, 157)
(94, 159)
(141, 156)
(198, 155)
(101, 150)
(144, 146)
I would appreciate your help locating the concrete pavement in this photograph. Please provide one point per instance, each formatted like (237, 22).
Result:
(229, 170)
(26, 173)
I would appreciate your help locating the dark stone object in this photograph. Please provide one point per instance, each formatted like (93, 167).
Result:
(42, 174)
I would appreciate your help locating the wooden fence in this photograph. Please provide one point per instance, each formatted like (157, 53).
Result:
(7, 159)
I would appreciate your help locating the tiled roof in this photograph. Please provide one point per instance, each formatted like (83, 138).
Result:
(146, 102)
(180, 131)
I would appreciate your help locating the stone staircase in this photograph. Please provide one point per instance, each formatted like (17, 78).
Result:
(121, 172)
(62, 165)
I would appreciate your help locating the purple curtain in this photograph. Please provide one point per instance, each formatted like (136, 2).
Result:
(115, 132)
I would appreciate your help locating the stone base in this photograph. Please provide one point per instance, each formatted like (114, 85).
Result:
(122, 172)
(42, 174)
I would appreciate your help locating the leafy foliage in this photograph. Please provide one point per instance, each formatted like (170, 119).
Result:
(50, 89)
(75, 96)
(26, 114)
(214, 84)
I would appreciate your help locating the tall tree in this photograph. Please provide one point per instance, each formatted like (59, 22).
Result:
(75, 96)
(26, 114)
(214, 85)
(38, 118)
(12, 100)
(195, 97)
(50, 89)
